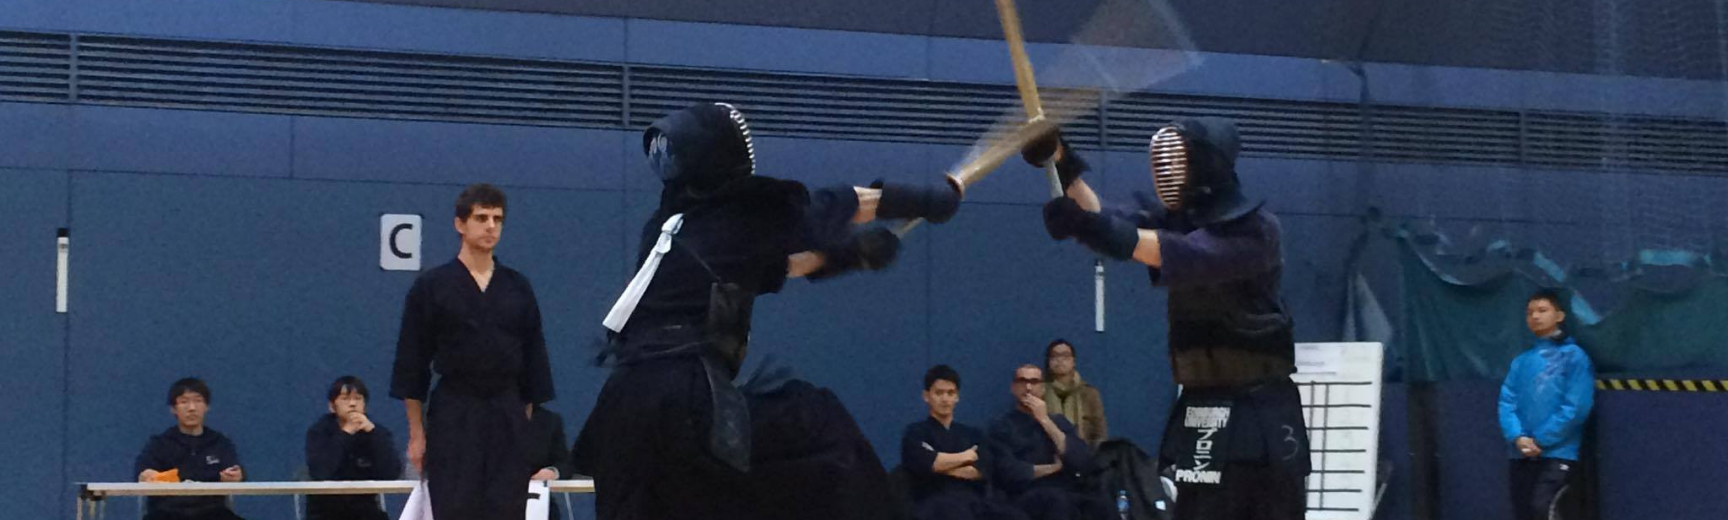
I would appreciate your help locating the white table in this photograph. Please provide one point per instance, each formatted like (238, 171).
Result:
(91, 495)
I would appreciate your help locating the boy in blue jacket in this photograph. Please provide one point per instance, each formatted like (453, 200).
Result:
(196, 453)
(1543, 404)
(345, 445)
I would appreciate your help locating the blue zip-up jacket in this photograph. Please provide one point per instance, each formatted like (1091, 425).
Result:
(198, 458)
(1547, 396)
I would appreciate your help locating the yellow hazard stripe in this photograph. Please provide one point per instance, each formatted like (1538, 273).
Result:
(1663, 385)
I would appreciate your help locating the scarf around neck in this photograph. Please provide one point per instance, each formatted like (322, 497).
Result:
(1065, 396)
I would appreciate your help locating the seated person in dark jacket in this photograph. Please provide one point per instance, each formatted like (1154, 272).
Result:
(345, 445)
(189, 452)
(546, 451)
(946, 460)
(1037, 456)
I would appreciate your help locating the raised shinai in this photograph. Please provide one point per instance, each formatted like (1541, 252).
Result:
(1236, 436)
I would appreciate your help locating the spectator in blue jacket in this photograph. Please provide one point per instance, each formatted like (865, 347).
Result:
(1038, 458)
(189, 451)
(345, 445)
(1543, 404)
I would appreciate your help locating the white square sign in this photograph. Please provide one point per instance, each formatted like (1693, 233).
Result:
(399, 242)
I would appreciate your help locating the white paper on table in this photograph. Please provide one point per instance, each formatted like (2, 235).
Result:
(419, 506)
(539, 500)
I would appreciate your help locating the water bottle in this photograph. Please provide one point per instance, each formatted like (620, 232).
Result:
(1122, 504)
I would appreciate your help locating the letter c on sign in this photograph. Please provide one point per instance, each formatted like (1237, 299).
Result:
(396, 231)
(399, 242)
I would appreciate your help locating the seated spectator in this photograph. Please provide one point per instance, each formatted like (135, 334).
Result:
(345, 445)
(945, 460)
(546, 450)
(1067, 394)
(1037, 456)
(189, 452)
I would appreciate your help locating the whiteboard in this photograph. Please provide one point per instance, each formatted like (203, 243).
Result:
(1340, 385)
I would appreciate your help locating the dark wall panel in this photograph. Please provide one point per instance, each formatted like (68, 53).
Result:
(33, 338)
(1667, 39)
(36, 135)
(403, 151)
(180, 142)
(1661, 445)
(775, 48)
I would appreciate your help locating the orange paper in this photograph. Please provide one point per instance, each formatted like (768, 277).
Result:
(168, 477)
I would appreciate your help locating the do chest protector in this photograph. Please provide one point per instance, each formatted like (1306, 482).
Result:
(1229, 334)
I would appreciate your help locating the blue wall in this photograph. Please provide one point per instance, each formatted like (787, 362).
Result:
(1667, 39)
(239, 247)
(35, 368)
